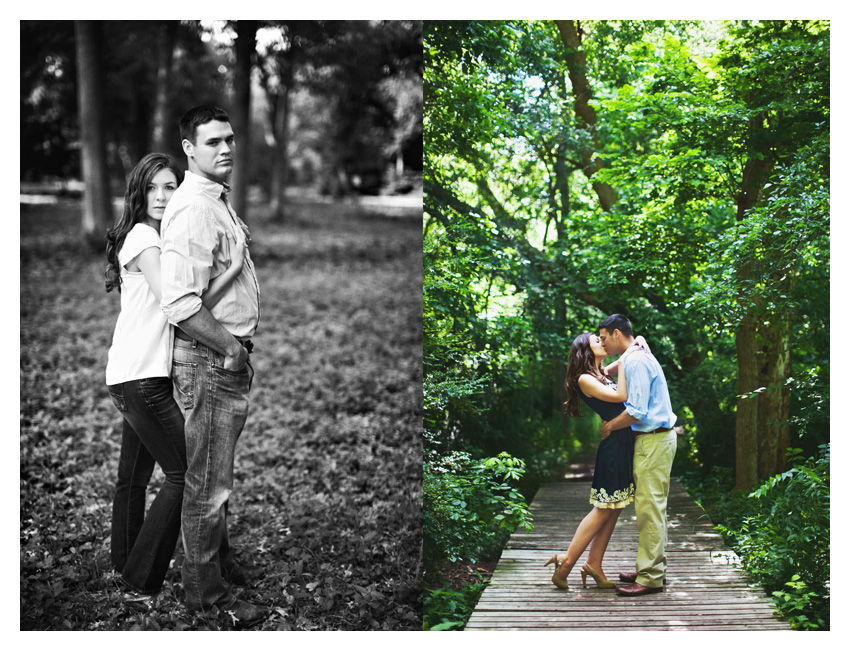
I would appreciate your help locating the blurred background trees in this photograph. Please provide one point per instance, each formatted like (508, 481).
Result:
(331, 107)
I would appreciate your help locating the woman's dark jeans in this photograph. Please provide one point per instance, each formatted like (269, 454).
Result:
(142, 547)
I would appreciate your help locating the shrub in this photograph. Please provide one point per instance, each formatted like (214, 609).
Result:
(446, 609)
(783, 542)
(780, 532)
(469, 508)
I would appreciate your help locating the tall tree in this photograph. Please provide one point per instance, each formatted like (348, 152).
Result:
(291, 46)
(163, 130)
(586, 114)
(97, 203)
(240, 114)
(779, 73)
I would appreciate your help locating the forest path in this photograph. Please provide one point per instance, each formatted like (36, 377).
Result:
(705, 590)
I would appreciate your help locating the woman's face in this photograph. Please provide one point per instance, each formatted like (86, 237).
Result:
(159, 191)
(596, 346)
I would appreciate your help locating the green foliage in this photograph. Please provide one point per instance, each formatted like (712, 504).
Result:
(470, 506)
(446, 609)
(520, 258)
(780, 531)
(799, 600)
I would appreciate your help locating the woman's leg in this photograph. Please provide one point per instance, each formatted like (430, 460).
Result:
(135, 467)
(587, 530)
(600, 540)
(158, 421)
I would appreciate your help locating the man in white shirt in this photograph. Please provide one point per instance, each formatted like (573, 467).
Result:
(211, 366)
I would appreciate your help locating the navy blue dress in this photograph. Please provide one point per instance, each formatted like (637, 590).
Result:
(613, 485)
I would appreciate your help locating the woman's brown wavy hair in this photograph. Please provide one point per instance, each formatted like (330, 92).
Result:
(582, 360)
(135, 210)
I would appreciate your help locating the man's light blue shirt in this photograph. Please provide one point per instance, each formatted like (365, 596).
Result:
(649, 400)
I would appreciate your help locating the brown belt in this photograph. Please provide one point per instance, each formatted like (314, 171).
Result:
(182, 335)
(655, 431)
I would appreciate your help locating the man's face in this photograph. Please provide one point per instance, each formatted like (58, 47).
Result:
(611, 341)
(212, 151)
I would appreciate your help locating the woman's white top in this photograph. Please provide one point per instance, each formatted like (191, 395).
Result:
(141, 345)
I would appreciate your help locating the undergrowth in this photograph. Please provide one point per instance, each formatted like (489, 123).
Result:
(328, 477)
(780, 531)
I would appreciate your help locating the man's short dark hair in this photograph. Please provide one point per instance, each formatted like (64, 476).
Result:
(197, 116)
(617, 322)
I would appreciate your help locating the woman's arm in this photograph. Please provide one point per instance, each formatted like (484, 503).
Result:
(641, 342)
(594, 388)
(638, 344)
(148, 264)
(220, 283)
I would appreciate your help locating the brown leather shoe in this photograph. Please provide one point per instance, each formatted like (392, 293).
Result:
(631, 577)
(636, 589)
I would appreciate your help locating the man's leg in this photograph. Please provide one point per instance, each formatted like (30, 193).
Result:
(653, 461)
(216, 407)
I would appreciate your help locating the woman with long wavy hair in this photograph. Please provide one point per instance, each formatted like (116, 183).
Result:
(138, 379)
(613, 488)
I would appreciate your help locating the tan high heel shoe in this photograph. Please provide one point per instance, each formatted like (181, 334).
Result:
(601, 581)
(561, 583)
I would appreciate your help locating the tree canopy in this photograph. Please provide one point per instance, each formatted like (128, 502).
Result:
(673, 171)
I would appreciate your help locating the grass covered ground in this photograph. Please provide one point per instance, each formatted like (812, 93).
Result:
(328, 482)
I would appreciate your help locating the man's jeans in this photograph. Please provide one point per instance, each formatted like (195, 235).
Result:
(142, 547)
(215, 405)
(653, 461)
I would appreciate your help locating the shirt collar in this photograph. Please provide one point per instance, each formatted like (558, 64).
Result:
(211, 188)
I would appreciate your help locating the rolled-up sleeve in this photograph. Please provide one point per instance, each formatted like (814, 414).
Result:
(638, 380)
(188, 246)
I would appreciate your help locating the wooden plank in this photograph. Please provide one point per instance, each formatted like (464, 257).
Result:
(705, 589)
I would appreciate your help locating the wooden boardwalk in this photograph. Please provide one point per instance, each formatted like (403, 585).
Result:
(704, 590)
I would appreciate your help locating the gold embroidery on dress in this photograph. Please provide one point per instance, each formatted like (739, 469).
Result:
(620, 499)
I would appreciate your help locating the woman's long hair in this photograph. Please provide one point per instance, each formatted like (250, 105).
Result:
(135, 210)
(582, 360)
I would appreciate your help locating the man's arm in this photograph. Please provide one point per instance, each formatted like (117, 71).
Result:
(205, 328)
(188, 242)
(620, 422)
(637, 402)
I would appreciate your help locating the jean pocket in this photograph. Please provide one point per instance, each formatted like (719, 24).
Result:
(183, 375)
(116, 393)
(233, 382)
(155, 389)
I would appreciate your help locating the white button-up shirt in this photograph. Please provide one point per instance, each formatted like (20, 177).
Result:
(196, 249)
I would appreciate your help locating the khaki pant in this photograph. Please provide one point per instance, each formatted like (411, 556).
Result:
(653, 461)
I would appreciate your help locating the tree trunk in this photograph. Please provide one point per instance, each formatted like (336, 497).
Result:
(246, 45)
(577, 66)
(750, 421)
(774, 404)
(562, 182)
(280, 161)
(97, 203)
(164, 136)
(747, 413)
